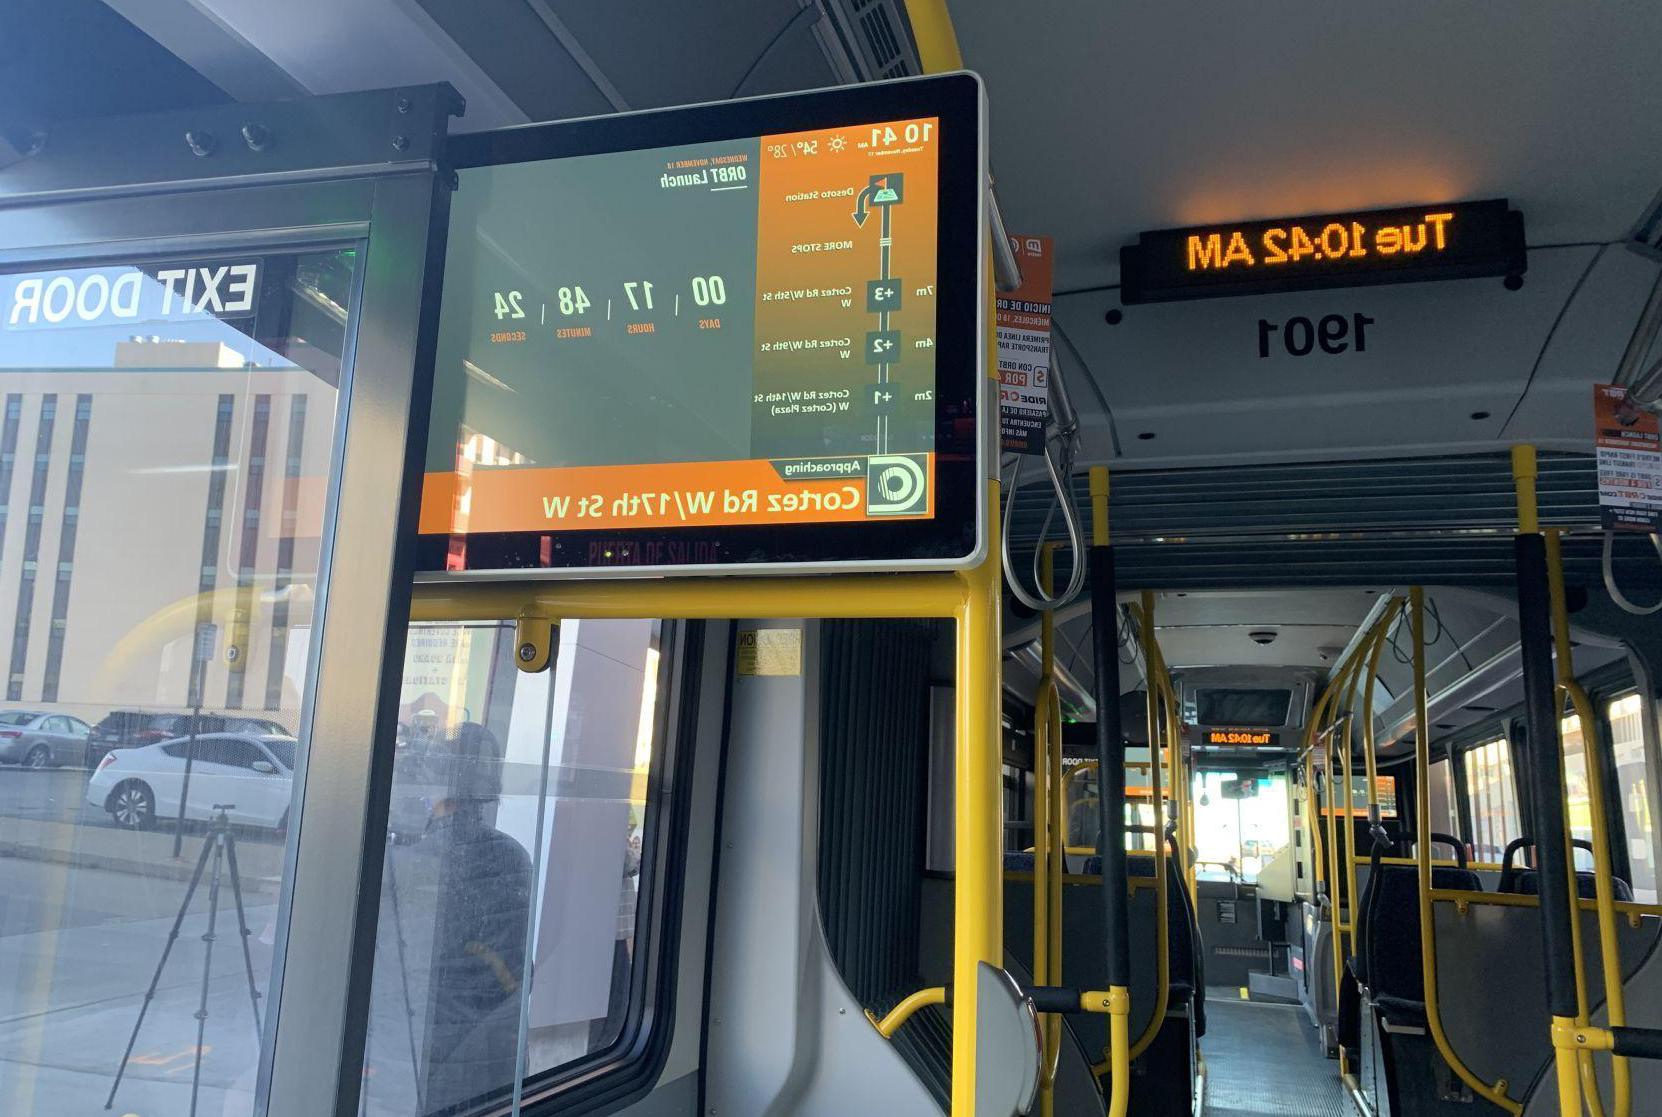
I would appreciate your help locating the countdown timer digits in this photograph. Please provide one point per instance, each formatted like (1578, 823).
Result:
(1460, 240)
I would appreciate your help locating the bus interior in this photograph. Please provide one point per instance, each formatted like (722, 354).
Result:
(1281, 741)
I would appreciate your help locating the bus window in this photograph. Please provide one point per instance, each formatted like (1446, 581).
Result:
(1239, 824)
(1493, 797)
(520, 849)
(1576, 793)
(1444, 815)
(1627, 740)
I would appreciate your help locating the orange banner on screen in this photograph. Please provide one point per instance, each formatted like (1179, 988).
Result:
(852, 489)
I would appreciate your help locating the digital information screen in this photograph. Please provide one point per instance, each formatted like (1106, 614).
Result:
(719, 353)
(1458, 240)
(1387, 788)
(1238, 738)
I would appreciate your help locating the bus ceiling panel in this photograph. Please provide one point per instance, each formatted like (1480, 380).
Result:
(1585, 348)
(1295, 645)
(1467, 561)
(345, 135)
(1482, 696)
(68, 59)
(725, 49)
(514, 60)
(1329, 500)
(1278, 609)
(1113, 119)
(252, 49)
(1416, 368)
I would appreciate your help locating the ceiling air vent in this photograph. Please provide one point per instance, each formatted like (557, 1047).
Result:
(876, 37)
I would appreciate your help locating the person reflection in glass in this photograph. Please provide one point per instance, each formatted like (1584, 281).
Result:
(464, 896)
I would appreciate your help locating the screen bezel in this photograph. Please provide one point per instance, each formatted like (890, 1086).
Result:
(955, 537)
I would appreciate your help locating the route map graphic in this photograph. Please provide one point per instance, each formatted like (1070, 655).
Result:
(738, 332)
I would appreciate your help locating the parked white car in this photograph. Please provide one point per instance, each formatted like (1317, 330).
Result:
(139, 786)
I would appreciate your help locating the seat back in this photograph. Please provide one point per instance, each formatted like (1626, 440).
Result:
(1527, 882)
(1394, 962)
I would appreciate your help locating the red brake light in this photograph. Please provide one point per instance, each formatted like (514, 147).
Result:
(109, 758)
(11, 733)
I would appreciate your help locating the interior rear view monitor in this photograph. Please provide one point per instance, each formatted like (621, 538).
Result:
(737, 337)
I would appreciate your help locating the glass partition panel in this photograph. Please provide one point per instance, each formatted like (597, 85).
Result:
(167, 438)
(507, 939)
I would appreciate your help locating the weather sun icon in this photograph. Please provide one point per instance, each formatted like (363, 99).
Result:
(837, 142)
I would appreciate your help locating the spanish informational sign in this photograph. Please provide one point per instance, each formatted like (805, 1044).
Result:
(1024, 349)
(1629, 462)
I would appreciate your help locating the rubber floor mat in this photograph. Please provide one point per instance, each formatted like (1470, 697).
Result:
(1264, 1060)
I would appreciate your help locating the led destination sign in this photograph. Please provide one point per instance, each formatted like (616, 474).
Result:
(733, 335)
(1460, 240)
(1237, 738)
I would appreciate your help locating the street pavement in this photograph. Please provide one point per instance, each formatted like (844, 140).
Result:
(85, 911)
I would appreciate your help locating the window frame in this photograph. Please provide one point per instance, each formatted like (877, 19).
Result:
(629, 1067)
(1602, 698)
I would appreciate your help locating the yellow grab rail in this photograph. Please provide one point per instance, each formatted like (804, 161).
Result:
(905, 1010)
(1603, 888)
(1050, 834)
(1178, 768)
(972, 598)
(1338, 716)
(1495, 1092)
(1118, 1000)
(1162, 988)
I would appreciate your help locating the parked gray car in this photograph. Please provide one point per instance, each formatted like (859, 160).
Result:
(40, 740)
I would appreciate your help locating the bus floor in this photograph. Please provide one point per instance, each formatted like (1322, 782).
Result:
(1262, 1060)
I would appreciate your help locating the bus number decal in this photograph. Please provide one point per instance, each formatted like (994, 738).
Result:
(1333, 333)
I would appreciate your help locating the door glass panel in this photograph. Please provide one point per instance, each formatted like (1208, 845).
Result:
(1240, 824)
(514, 863)
(167, 435)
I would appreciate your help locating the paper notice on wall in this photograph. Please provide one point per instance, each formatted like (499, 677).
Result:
(1629, 462)
(1023, 320)
(770, 651)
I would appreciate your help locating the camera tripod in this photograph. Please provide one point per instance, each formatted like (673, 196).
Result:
(221, 849)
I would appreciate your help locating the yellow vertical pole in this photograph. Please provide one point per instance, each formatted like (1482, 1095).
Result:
(1119, 996)
(1162, 989)
(1341, 693)
(1313, 817)
(1179, 769)
(1370, 758)
(1603, 888)
(932, 32)
(1050, 833)
(1565, 1057)
(1352, 690)
(1334, 873)
(978, 904)
(1495, 1092)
